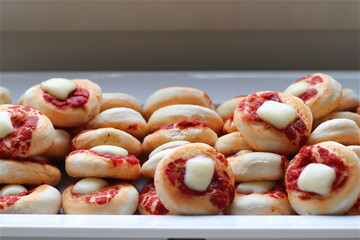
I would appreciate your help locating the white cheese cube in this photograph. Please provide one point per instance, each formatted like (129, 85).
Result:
(89, 185)
(255, 187)
(59, 88)
(297, 89)
(317, 178)
(279, 115)
(12, 189)
(110, 149)
(199, 172)
(6, 126)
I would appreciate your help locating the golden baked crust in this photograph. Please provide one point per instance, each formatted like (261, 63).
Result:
(179, 112)
(113, 100)
(33, 133)
(264, 137)
(229, 126)
(125, 119)
(187, 130)
(118, 198)
(87, 163)
(106, 136)
(258, 166)
(226, 109)
(340, 130)
(176, 197)
(5, 97)
(43, 199)
(31, 172)
(175, 95)
(334, 115)
(349, 100)
(232, 143)
(60, 147)
(274, 202)
(355, 210)
(345, 189)
(66, 116)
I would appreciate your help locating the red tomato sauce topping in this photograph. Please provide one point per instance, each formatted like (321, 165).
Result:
(315, 154)
(184, 125)
(7, 201)
(116, 159)
(101, 197)
(133, 127)
(312, 80)
(151, 201)
(221, 191)
(76, 99)
(19, 141)
(249, 105)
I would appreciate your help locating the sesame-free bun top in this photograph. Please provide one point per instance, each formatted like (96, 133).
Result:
(175, 95)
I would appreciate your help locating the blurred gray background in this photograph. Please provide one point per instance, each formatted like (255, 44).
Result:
(179, 35)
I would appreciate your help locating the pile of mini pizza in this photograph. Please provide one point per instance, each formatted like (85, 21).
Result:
(266, 153)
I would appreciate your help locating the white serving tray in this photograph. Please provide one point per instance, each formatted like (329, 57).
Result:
(220, 86)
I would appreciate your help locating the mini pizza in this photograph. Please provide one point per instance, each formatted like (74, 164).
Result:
(17, 199)
(106, 136)
(260, 198)
(319, 91)
(100, 197)
(60, 147)
(258, 166)
(229, 126)
(186, 130)
(104, 161)
(226, 110)
(29, 171)
(149, 167)
(149, 202)
(24, 132)
(335, 115)
(125, 119)
(348, 102)
(175, 95)
(340, 130)
(194, 179)
(179, 112)
(232, 143)
(273, 122)
(323, 179)
(113, 100)
(5, 97)
(68, 103)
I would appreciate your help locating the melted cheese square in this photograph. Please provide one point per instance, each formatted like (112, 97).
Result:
(59, 88)
(297, 89)
(89, 185)
(110, 149)
(279, 115)
(199, 172)
(6, 126)
(316, 178)
(12, 189)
